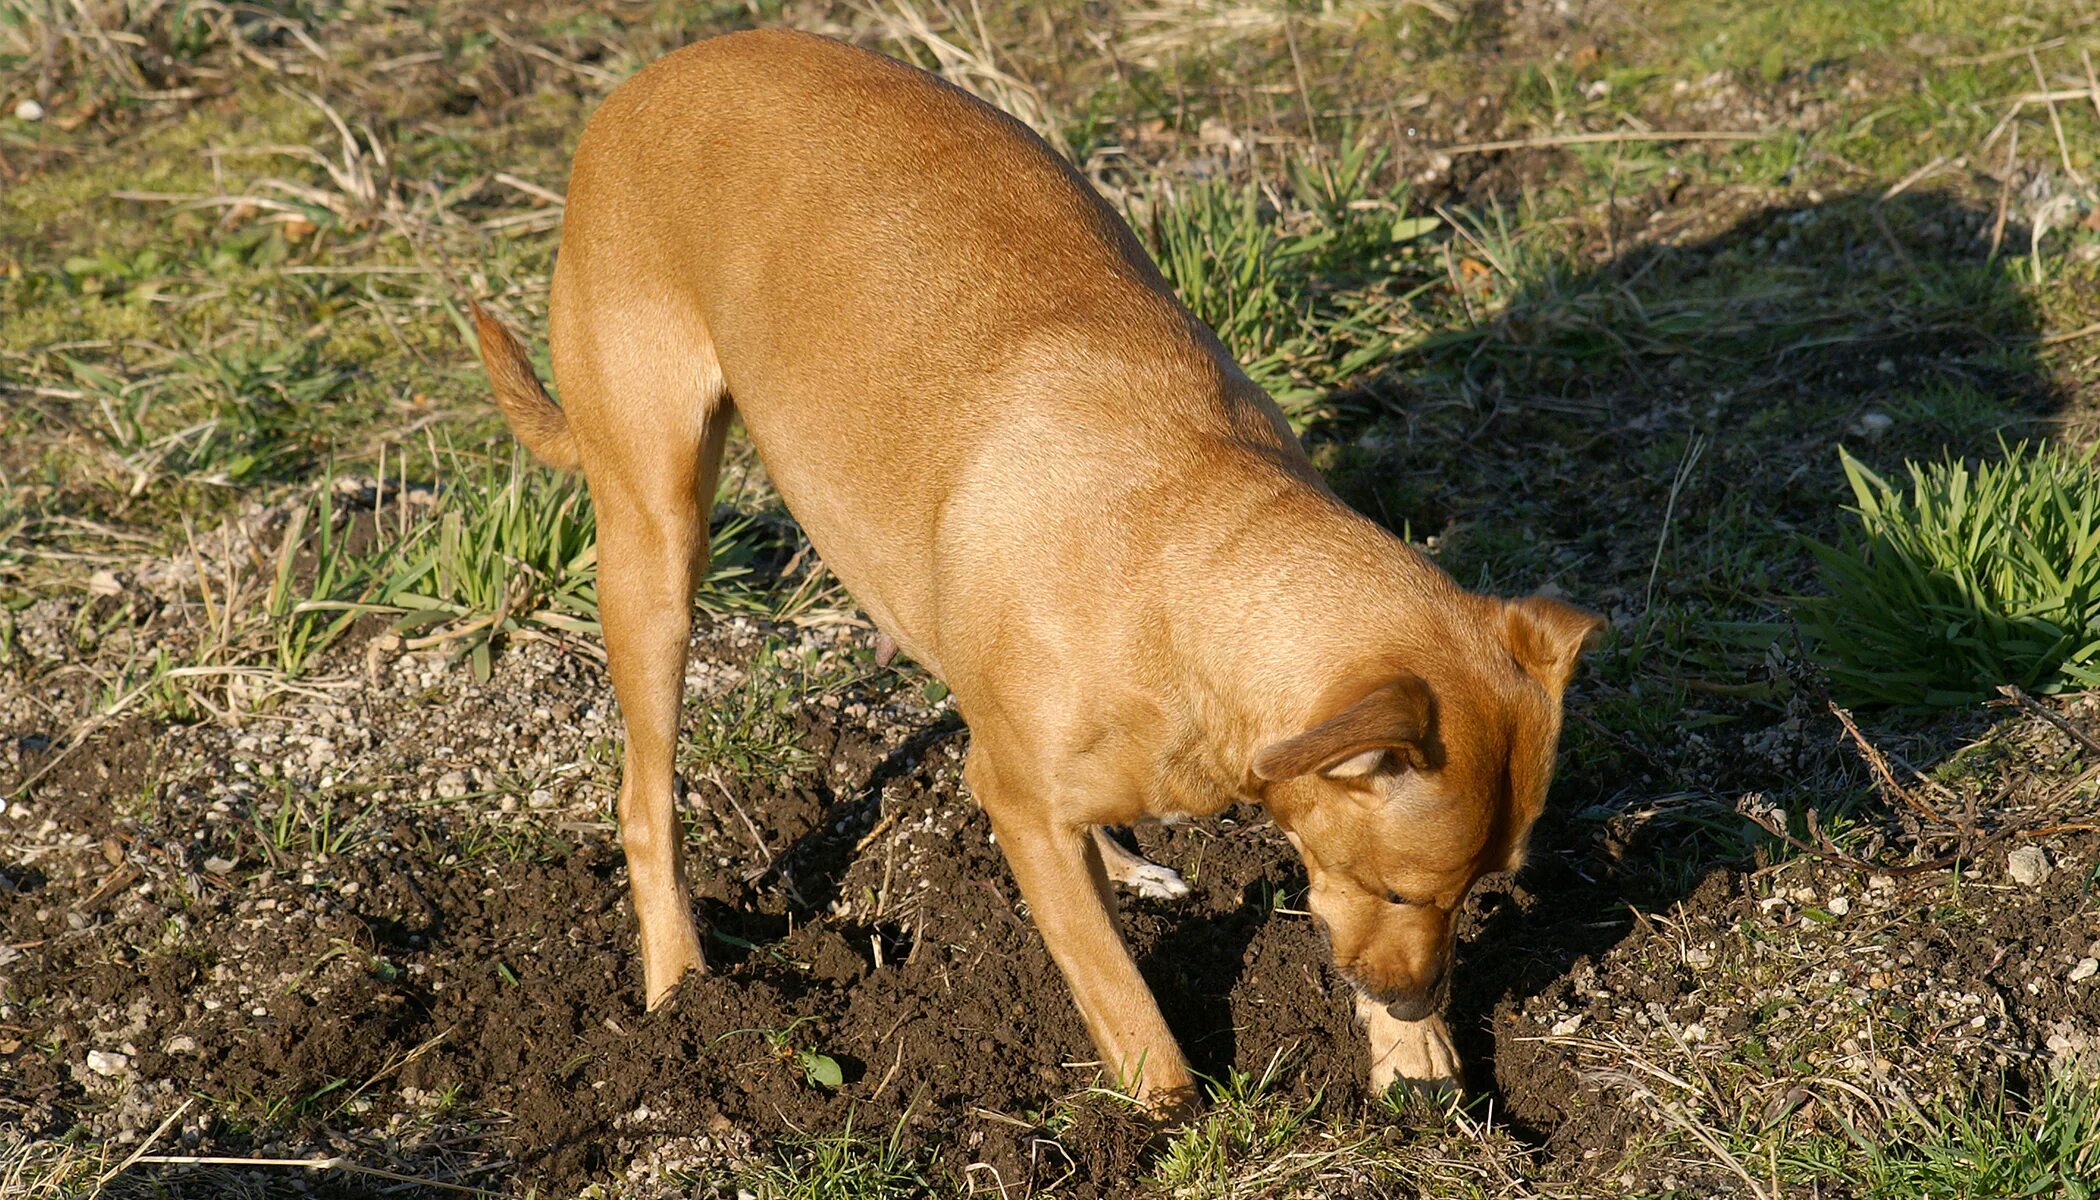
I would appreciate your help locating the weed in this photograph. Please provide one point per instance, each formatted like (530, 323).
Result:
(840, 1166)
(1298, 293)
(818, 1069)
(1982, 576)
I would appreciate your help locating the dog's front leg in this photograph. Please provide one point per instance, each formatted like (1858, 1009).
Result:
(1058, 866)
(1136, 872)
(1417, 1053)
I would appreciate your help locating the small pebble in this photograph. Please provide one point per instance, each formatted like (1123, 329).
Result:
(29, 110)
(2086, 969)
(2028, 866)
(107, 1062)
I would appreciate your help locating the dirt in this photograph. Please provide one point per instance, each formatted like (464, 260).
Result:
(417, 977)
(512, 987)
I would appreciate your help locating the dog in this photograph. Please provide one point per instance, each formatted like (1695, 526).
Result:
(1049, 485)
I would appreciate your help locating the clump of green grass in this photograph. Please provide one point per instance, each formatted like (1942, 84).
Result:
(1296, 282)
(749, 732)
(502, 554)
(1252, 1141)
(1949, 1151)
(1980, 576)
(840, 1166)
(500, 550)
(307, 618)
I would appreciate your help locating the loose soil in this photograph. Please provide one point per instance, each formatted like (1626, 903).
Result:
(426, 981)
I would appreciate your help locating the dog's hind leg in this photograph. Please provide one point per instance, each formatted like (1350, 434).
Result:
(651, 425)
(1136, 872)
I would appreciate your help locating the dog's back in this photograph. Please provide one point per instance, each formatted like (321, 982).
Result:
(910, 299)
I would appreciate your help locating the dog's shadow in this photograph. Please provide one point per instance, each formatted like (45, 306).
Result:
(1652, 437)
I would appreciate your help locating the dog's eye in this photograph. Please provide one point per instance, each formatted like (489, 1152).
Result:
(1397, 898)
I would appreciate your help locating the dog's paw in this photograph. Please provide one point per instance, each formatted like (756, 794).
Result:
(1417, 1054)
(1154, 882)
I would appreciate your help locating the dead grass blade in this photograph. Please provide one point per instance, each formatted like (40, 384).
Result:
(964, 57)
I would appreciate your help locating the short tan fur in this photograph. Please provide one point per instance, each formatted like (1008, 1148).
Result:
(1049, 485)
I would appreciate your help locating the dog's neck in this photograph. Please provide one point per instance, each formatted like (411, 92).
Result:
(1311, 602)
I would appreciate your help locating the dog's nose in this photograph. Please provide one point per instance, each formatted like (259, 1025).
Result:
(1425, 1000)
(1413, 1008)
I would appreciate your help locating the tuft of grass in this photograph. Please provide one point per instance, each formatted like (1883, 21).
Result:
(1950, 1151)
(1982, 575)
(110, 52)
(49, 1170)
(337, 585)
(840, 1166)
(503, 552)
(497, 550)
(310, 826)
(1297, 284)
(1252, 1142)
(749, 732)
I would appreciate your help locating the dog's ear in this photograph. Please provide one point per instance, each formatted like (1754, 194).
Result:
(1546, 637)
(1385, 731)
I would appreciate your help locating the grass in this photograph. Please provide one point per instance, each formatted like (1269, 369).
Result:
(1978, 1149)
(311, 827)
(1981, 576)
(1302, 281)
(1250, 1141)
(494, 549)
(840, 1166)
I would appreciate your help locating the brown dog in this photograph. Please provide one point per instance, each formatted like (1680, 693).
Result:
(1049, 484)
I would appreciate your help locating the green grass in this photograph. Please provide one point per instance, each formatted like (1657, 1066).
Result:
(1981, 575)
(841, 1166)
(492, 549)
(750, 731)
(310, 826)
(1302, 293)
(1248, 1140)
(1974, 1150)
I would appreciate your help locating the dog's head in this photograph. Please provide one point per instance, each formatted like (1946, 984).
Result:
(1408, 793)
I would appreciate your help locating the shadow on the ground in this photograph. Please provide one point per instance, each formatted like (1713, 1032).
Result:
(1651, 437)
(1654, 437)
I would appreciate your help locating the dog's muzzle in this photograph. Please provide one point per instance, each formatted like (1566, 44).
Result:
(1423, 1004)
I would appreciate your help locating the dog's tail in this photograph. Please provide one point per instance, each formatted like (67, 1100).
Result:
(534, 418)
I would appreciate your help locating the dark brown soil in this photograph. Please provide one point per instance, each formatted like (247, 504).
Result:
(879, 928)
(513, 988)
